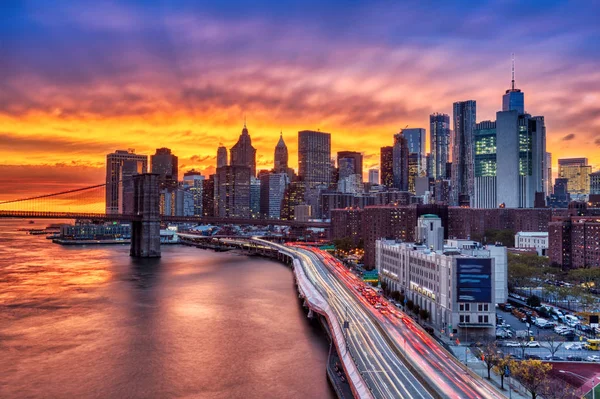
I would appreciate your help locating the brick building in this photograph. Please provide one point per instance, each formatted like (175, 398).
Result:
(574, 241)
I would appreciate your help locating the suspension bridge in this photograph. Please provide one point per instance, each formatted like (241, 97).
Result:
(136, 201)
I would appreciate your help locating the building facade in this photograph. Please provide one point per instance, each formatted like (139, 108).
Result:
(221, 156)
(272, 190)
(400, 162)
(374, 176)
(120, 168)
(577, 172)
(537, 240)
(314, 163)
(243, 153)
(415, 138)
(484, 138)
(281, 155)
(595, 183)
(232, 191)
(386, 166)
(193, 182)
(463, 174)
(166, 165)
(439, 133)
(574, 241)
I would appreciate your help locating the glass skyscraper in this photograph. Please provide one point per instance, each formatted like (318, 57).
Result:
(439, 139)
(462, 153)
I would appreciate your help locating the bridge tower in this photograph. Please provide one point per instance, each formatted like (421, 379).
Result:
(145, 227)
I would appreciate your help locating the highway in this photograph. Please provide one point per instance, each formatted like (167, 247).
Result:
(383, 371)
(429, 359)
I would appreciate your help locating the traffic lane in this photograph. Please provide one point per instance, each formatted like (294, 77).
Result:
(424, 348)
(378, 371)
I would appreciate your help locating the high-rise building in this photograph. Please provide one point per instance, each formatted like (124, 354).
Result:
(272, 189)
(386, 166)
(463, 174)
(357, 158)
(292, 197)
(281, 155)
(120, 168)
(165, 164)
(439, 133)
(415, 138)
(595, 183)
(193, 182)
(232, 191)
(520, 158)
(400, 157)
(373, 176)
(242, 153)
(484, 138)
(221, 156)
(254, 197)
(578, 172)
(560, 196)
(208, 196)
(513, 99)
(314, 164)
(548, 175)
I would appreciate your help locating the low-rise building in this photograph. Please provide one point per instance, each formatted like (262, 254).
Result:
(532, 240)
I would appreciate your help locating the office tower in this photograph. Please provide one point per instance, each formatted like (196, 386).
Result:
(221, 156)
(484, 137)
(386, 166)
(595, 183)
(120, 168)
(374, 176)
(165, 164)
(439, 134)
(429, 165)
(281, 155)
(578, 172)
(513, 99)
(176, 202)
(314, 164)
(400, 165)
(560, 196)
(232, 191)
(254, 197)
(548, 174)
(292, 197)
(520, 158)
(193, 182)
(462, 154)
(242, 153)
(415, 138)
(357, 162)
(272, 190)
(208, 196)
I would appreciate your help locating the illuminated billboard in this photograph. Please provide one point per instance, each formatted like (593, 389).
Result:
(473, 280)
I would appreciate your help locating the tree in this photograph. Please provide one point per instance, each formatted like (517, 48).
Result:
(532, 375)
(502, 365)
(534, 301)
(424, 314)
(558, 389)
(416, 309)
(489, 355)
(506, 237)
(410, 304)
(401, 298)
(553, 344)
(395, 295)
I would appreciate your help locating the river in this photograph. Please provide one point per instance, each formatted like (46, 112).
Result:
(91, 322)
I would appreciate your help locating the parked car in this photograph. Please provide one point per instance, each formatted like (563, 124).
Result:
(531, 356)
(512, 344)
(592, 358)
(573, 358)
(574, 346)
(532, 344)
(554, 358)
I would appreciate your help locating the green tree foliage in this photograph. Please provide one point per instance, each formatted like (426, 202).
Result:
(424, 314)
(410, 304)
(534, 301)
(524, 268)
(344, 244)
(506, 237)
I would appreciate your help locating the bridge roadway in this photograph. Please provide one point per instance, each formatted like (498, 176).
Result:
(385, 374)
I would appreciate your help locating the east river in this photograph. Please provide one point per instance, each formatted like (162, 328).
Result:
(90, 322)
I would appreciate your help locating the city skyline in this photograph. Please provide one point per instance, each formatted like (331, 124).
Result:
(90, 103)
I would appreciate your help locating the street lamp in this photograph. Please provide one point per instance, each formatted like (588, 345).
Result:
(582, 378)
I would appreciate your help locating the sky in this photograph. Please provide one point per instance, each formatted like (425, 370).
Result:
(80, 79)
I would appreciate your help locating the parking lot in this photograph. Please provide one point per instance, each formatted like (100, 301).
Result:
(542, 336)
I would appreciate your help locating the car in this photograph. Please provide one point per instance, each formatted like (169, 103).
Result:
(512, 344)
(508, 307)
(554, 358)
(572, 358)
(532, 357)
(574, 346)
(532, 344)
(592, 358)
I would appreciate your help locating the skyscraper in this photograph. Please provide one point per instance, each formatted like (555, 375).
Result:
(513, 99)
(242, 153)
(208, 196)
(439, 134)
(232, 191)
(484, 137)
(281, 155)
(193, 182)
(221, 156)
(165, 164)
(357, 162)
(462, 154)
(415, 138)
(578, 172)
(120, 168)
(386, 166)
(314, 164)
(520, 158)
(595, 183)
(272, 189)
(400, 165)
(548, 175)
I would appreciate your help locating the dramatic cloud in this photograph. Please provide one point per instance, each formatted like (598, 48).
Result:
(81, 79)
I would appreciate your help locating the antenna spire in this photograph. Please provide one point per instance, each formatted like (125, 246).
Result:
(513, 71)
(245, 119)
